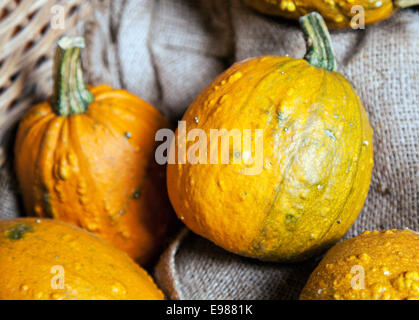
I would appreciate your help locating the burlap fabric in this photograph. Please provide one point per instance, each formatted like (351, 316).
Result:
(167, 51)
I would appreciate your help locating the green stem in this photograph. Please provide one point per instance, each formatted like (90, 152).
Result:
(319, 48)
(70, 93)
(406, 3)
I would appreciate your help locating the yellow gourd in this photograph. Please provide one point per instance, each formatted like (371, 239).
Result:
(375, 265)
(338, 14)
(317, 156)
(43, 259)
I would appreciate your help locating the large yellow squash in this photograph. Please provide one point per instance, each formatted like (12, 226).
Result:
(317, 156)
(51, 260)
(337, 13)
(375, 265)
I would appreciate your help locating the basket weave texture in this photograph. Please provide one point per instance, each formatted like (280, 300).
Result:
(28, 30)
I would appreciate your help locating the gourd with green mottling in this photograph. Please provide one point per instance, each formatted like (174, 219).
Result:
(337, 13)
(377, 265)
(43, 259)
(87, 157)
(317, 156)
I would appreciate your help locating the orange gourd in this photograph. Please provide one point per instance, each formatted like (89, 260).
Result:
(87, 157)
(373, 266)
(338, 14)
(317, 156)
(52, 260)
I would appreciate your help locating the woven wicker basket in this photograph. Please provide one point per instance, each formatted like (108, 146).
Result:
(28, 30)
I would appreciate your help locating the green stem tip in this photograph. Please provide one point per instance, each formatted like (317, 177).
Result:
(406, 3)
(70, 93)
(319, 46)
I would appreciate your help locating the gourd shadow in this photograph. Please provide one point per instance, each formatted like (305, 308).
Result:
(206, 271)
(11, 205)
(160, 219)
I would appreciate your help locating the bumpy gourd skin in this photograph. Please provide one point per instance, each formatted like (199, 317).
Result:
(337, 14)
(390, 260)
(97, 170)
(31, 249)
(317, 161)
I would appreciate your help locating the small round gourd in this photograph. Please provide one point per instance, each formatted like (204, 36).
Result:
(317, 156)
(377, 265)
(87, 157)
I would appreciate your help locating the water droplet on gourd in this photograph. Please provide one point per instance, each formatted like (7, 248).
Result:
(137, 193)
(330, 134)
(196, 120)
